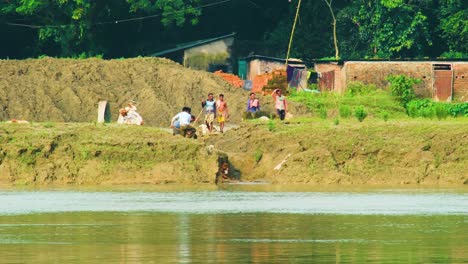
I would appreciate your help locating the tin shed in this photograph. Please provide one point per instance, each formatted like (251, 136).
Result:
(208, 54)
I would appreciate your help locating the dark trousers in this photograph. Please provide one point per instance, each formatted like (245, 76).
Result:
(187, 130)
(281, 113)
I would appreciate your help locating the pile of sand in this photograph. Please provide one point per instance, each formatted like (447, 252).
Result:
(68, 90)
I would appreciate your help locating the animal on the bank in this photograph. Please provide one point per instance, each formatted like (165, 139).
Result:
(205, 131)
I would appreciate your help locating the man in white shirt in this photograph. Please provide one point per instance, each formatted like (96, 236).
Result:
(181, 122)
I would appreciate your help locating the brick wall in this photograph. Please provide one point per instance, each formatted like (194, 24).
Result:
(376, 72)
(460, 81)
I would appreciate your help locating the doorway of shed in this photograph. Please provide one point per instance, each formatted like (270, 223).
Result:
(442, 84)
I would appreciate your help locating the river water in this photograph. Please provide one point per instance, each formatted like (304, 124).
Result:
(235, 224)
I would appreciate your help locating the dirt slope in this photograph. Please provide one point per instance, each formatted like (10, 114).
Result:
(427, 153)
(68, 90)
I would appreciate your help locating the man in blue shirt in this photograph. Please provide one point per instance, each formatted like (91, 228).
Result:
(180, 123)
(209, 105)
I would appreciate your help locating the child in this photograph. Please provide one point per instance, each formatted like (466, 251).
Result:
(222, 112)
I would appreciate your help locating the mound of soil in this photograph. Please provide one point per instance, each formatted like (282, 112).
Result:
(68, 90)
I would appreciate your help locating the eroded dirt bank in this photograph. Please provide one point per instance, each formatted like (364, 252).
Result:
(399, 152)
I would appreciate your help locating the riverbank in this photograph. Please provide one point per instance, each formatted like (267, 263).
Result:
(301, 151)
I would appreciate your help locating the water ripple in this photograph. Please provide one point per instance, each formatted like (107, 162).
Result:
(214, 202)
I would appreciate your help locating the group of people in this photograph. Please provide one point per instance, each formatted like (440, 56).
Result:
(281, 106)
(215, 109)
(183, 122)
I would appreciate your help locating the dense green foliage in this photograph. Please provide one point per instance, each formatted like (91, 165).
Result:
(365, 29)
(430, 109)
(402, 88)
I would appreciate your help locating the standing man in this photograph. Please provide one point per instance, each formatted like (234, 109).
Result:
(221, 112)
(209, 106)
(280, 103)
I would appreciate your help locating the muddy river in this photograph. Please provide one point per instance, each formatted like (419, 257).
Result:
(234, 224)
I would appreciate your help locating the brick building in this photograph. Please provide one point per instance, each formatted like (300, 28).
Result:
(441, 80)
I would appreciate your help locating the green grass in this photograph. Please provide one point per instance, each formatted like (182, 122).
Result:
(258, 154)
(375, 102)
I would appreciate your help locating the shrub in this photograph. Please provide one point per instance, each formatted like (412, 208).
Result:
(359, 88)
(48, 125)
(427, 112)
(345, 111)
(360, 113)
(441, 110)
(258, 154)
(401, 87)
(460, 109)
(271, 125)
(429, 109)
(384, 115)
(414, 107)
(323, 112)
(336, 121)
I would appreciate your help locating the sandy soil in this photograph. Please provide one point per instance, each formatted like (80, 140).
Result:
(68, 90)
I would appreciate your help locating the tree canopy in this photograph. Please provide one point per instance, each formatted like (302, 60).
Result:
(126, 28)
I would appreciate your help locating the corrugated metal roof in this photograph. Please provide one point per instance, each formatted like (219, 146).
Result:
(192, 44)
(260, 57)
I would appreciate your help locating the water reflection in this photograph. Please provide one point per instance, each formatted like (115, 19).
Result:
(233, 227)
(231, 238)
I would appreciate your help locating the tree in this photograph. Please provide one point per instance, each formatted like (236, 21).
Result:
(71, 27)
(313, 38)
(335, 39)
(173, 11)
(454, 24)
(389, 28)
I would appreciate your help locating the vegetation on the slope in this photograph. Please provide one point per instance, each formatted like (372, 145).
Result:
(316, 151)
(359, 97)
(362, 100)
